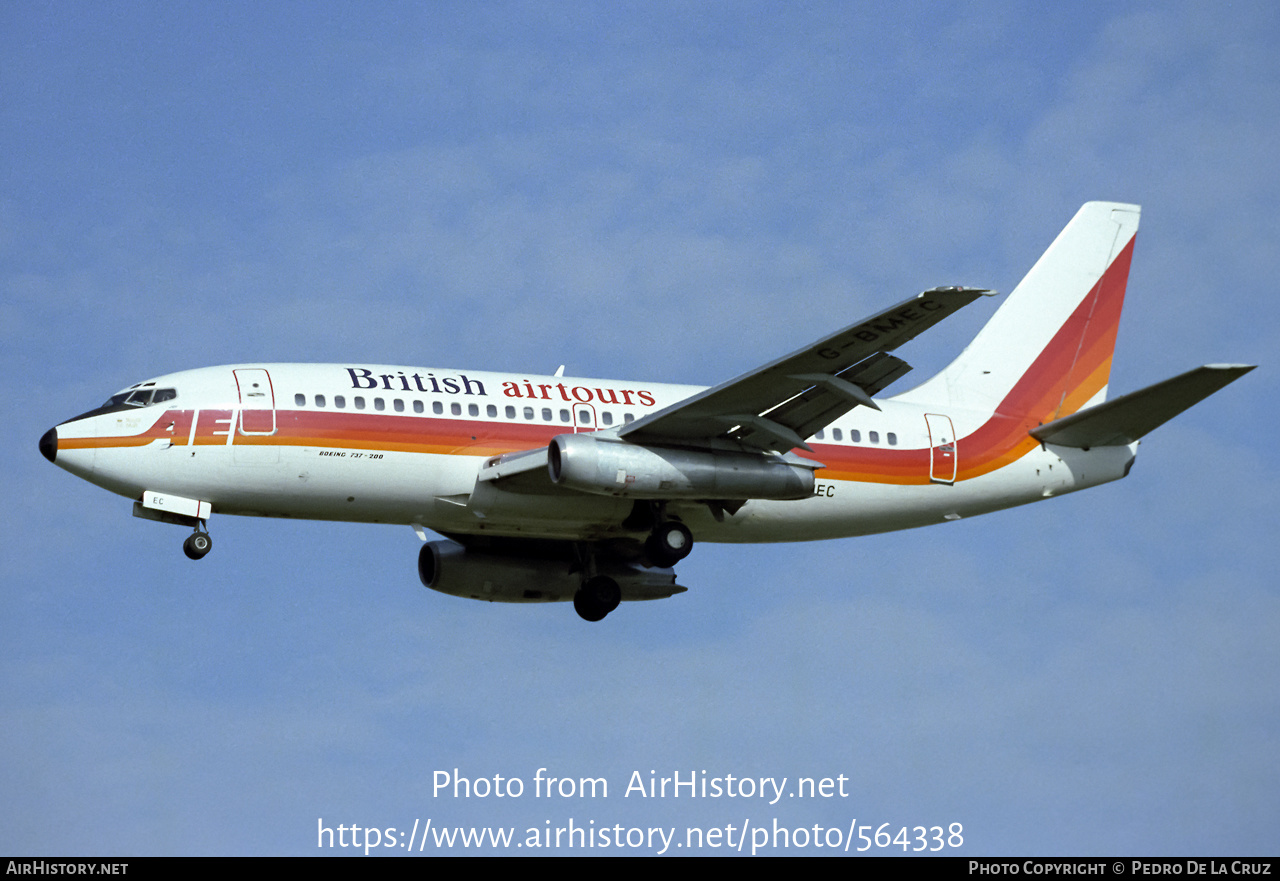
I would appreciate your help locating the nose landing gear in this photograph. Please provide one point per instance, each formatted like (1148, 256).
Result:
(197, 544)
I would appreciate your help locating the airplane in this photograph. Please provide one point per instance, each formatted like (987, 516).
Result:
(552, 488)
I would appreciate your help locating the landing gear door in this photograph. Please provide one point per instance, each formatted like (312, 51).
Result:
(257, 401)
(943, 459)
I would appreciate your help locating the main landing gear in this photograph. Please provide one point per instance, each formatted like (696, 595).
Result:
(597, 597)
(197, 544)
(668, 544)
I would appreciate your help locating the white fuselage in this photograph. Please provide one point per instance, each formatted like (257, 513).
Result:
(406, 445)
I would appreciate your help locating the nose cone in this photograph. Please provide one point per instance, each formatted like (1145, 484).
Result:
(49, 444)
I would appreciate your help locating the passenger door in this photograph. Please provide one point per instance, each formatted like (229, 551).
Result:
(257, 401)
(943, 458)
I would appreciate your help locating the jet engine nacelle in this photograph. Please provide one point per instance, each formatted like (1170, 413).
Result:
(613, 467)
(450, 568)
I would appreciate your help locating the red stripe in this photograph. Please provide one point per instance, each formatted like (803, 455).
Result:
(1072, 368)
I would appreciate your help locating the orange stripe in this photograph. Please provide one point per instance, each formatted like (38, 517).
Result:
(1073, 367)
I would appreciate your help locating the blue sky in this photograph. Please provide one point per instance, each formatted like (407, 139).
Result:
(665, 192)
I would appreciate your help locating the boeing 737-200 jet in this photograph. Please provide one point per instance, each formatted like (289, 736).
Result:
(555, 488)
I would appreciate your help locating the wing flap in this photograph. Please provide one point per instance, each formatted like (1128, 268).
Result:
(804, 391)
(1125, 419)
(834, 395)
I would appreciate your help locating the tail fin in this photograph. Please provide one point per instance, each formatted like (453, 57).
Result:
(1047, 351)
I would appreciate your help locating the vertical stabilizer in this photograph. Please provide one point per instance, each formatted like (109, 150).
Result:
(1047, 351)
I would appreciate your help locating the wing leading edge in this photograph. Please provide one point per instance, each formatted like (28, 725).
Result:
(776, 406)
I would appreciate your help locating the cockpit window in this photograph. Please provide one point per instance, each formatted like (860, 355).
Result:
(131, 399)
(140, 398)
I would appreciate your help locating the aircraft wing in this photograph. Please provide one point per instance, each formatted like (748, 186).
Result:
(775, 407)
(521, 472)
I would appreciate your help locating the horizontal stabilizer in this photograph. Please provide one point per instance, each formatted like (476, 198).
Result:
(1123, 420)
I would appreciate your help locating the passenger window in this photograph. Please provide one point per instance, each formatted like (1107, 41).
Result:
(874, 436)
(893, 439)
(455, 409)
(820, 434)
(564, 415)
(358, 401)
(399, 405)
(511, 412)
(437, 408)
(379, 404)
(584, 417)
(627, 417)
(528, 412)
(473, 410)
(855, 436)
(546, 414)
(339, 401)
(417, 407)
(300, 400)
(607, 417)
(837, 434)
(491, 410)
(319, 400)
